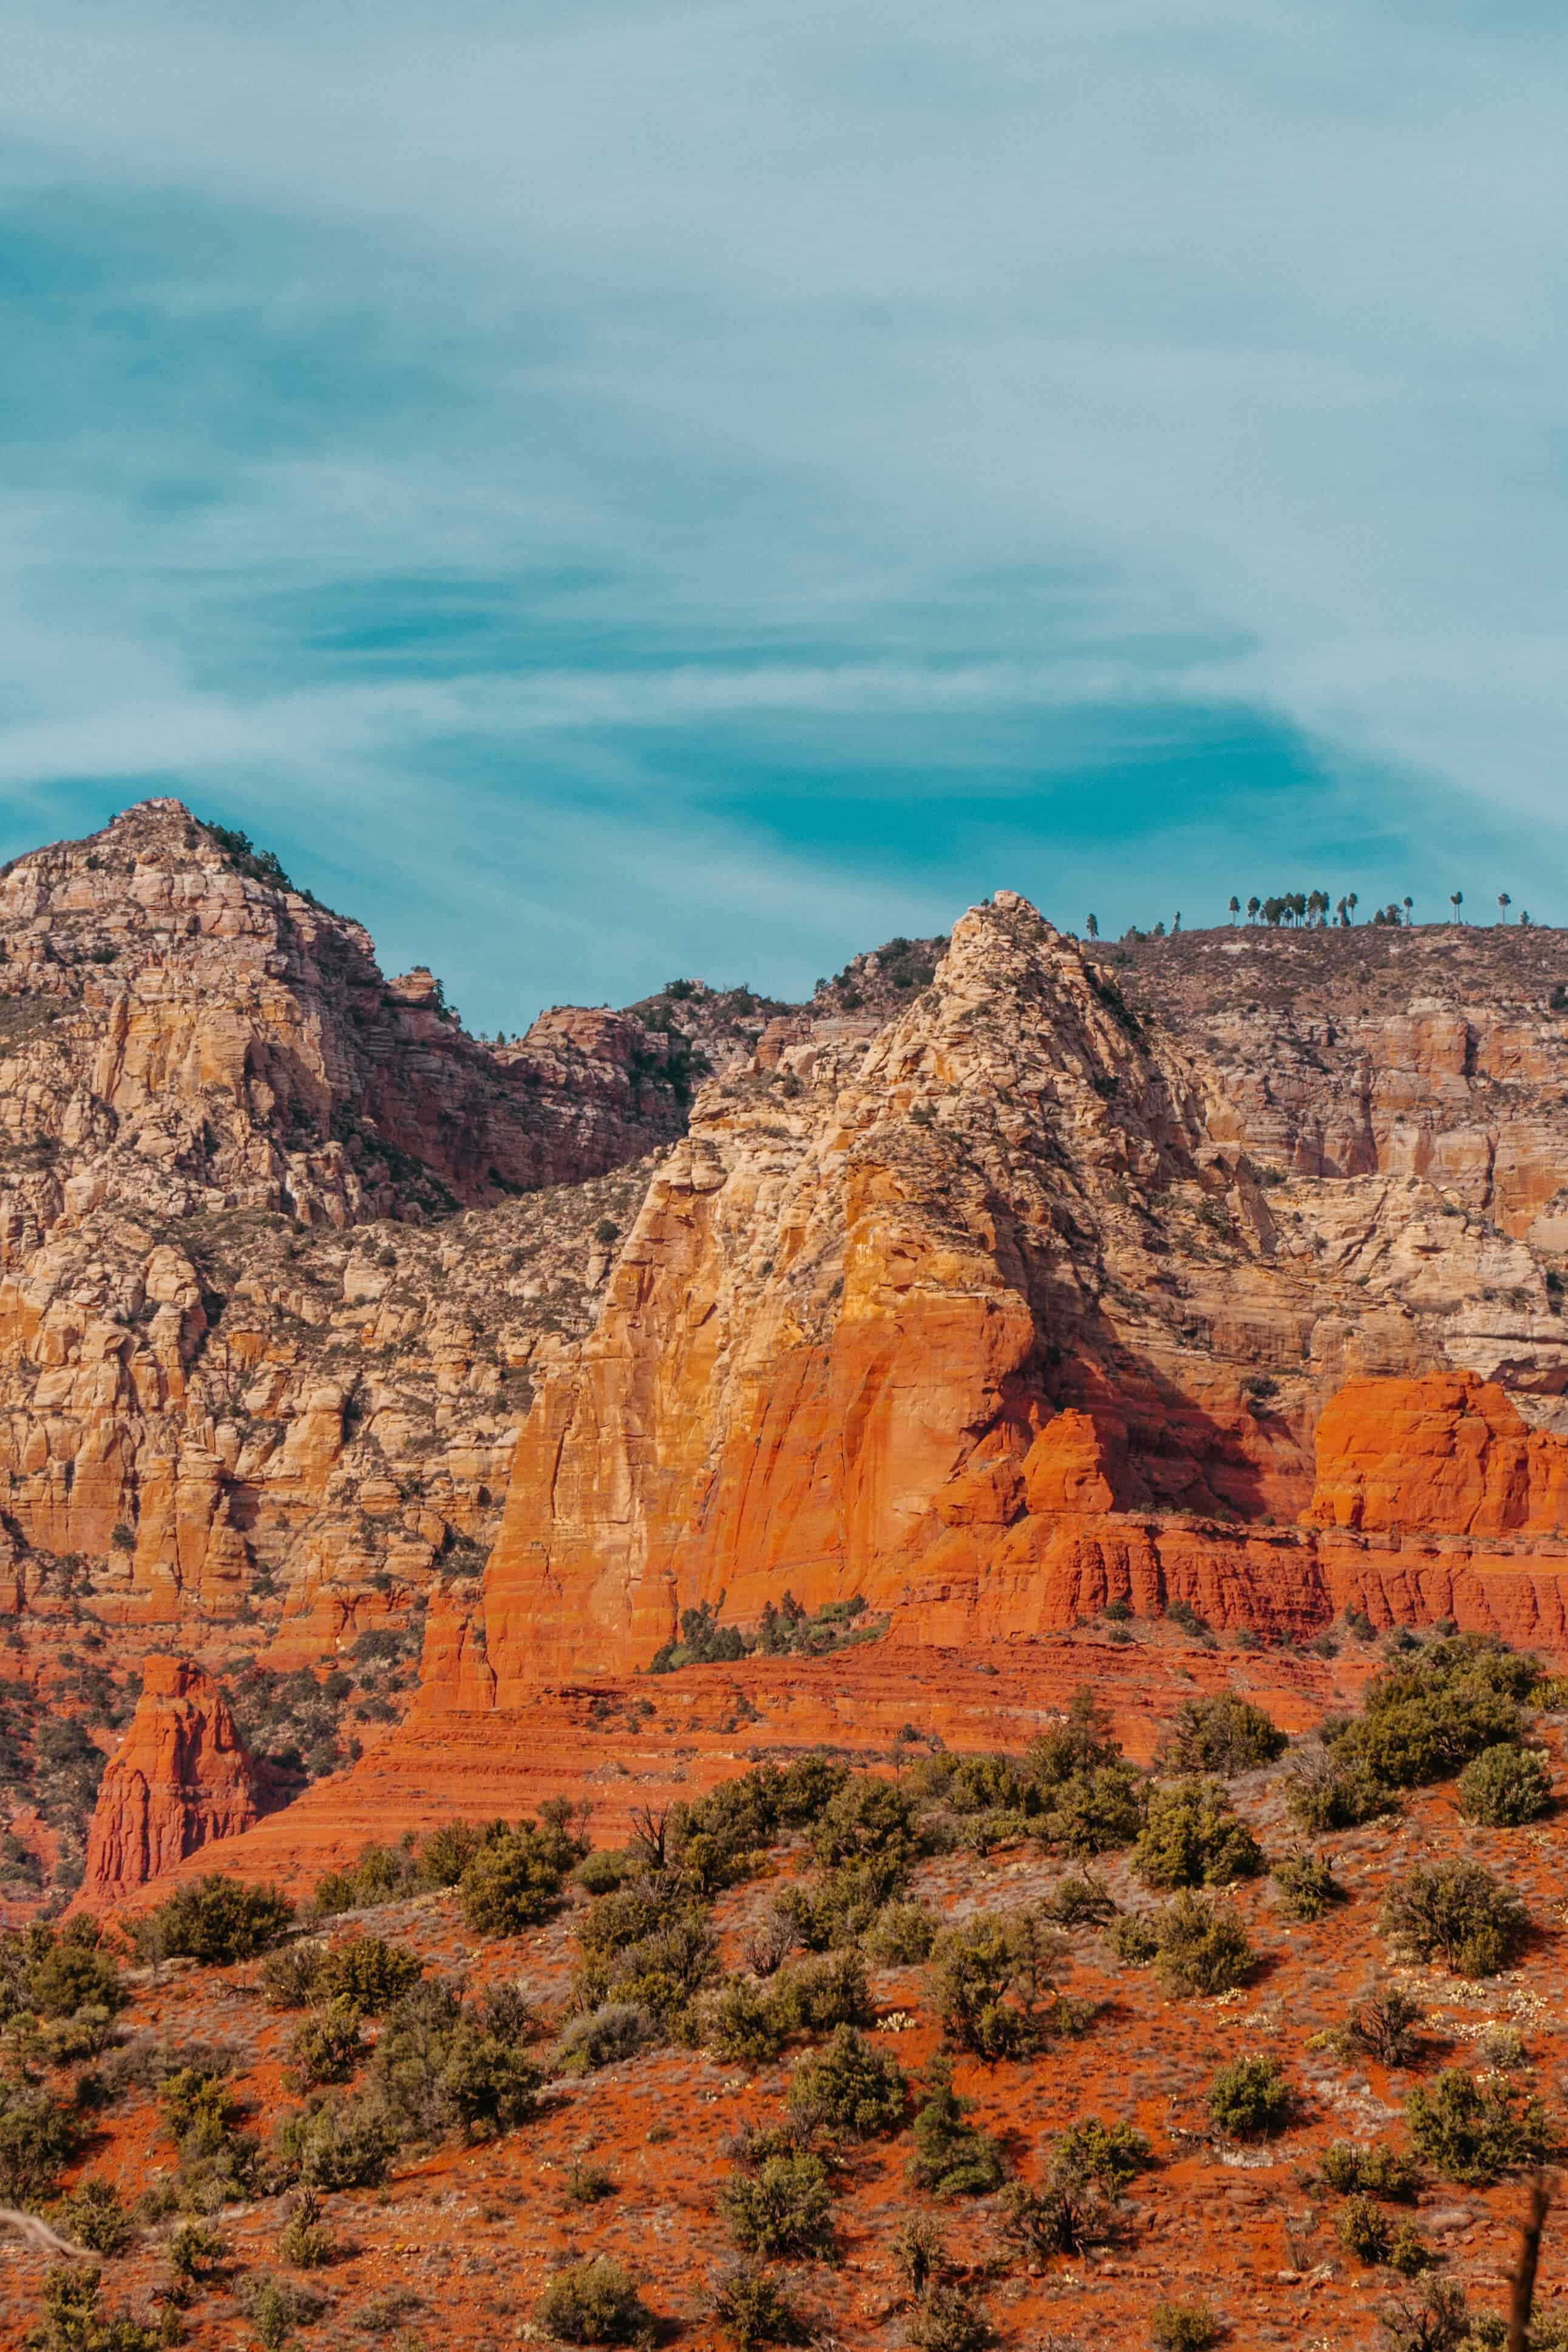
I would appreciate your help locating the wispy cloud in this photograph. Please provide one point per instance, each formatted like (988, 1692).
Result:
(723, 480)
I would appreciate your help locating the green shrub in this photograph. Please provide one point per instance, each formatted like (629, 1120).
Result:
(852, 2087)
(193, 2250)
(1458, 1913)
(1079, 1900)
(975, 1784)
(69, 1970)
(514, 1881)
(1201, 1946)
(986, 1973)
(588, 2184)
(920, 2254)
(742, 2022)
(946, 2319)
(646, 1947)
(1192, 1837)
(902, 1933)
(1183, 2327)
(37, 2139)
(1134, 1938)
(1362, 2230)
(1092, 1812)
(337, 2145)
(1475, 2132)
(305, 2242)
(92, 2215)
(368, 1975)
(384, 1873)
(217, 2166)
(604, 2037)
(195, 2096)
(1368, 2171)
(328, 2047)
(1331, 1790)
(951, 2158)
(1111, 2154)
(815, 1995)
(72, 2321)
(1307, 1886)
(447, 1852)
(603, 1872)
(291, 1977)
(275, 2306)
(841, 1904)
(867, 1817)
(1421, 1721)
(1505, 1787)
(1083, 1743)
(783, 2210)
(750, 2305)
(803, 1789)
(1222, 1735)
(216, 1919)
(1249, 2098)
(435, 2069)
(1408, 2253)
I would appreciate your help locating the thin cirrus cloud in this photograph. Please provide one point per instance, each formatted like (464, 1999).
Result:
(615, 489)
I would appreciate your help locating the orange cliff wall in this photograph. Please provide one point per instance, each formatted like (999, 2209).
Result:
(821, 1477)
(1433, 1499)
(1450, 1454)
(180, 1778)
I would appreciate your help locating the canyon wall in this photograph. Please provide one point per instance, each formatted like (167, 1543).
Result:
(1006, 1278)
(992, 1317)
(180, 1778)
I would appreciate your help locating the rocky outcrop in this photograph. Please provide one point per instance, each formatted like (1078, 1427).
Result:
(180, 1780)
(985, 1321)
(1006, 1278)
(182, 1027)
(1449, 1454)
(281, 1250)
(1439, 1052)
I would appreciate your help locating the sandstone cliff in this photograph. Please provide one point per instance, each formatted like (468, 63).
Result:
(180, 1778)
(1002, 1280)
(280, 1248)
(994, 1317)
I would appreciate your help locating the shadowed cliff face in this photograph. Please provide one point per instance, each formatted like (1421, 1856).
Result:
(180, 1778)
(280, 1248)
(989, 1318)
(999, 1282)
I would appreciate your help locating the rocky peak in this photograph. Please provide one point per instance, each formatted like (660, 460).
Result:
(180, 1777)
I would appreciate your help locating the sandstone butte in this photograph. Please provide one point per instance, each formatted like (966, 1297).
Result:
(180, 1780)
(1008, 1279)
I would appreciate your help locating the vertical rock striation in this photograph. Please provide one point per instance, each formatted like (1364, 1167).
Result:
(180, 1780)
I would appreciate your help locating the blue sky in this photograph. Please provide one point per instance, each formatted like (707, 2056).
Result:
(616, 490)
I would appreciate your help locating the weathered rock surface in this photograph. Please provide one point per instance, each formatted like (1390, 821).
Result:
(180, 1778)
(989, 1319)
(1003, 1280)
(261, 1369)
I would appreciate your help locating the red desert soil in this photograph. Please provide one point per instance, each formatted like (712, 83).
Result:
(637, 1741)
(469, 2236)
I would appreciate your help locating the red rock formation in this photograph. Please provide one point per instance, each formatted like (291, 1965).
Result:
(1448, 1453)
(990, 1289)
(180, 1778)
(974, 1322)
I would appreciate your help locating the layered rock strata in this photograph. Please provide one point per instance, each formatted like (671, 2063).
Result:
(180, 1778)
(987, 1320)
